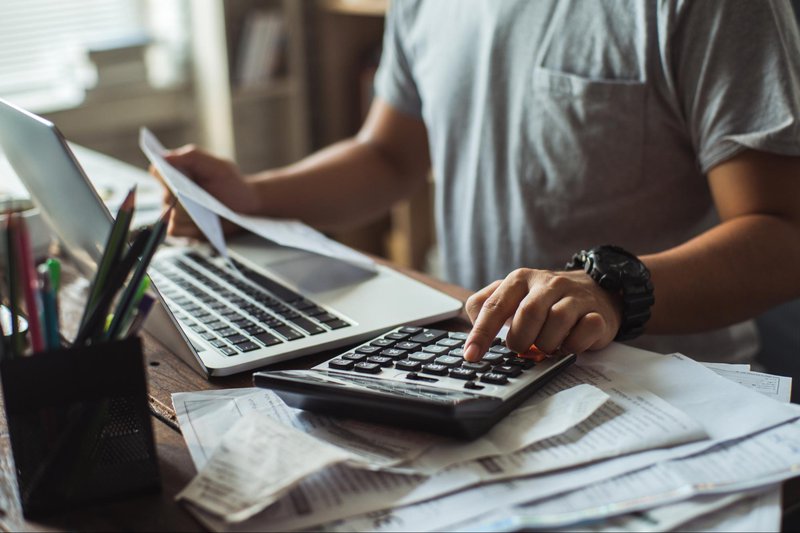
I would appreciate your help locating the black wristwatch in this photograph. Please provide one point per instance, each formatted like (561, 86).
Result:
(619, 271)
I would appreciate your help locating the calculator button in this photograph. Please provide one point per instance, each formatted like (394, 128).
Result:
(429, 335)
(450, 343)
(433, 348)
(458, 335)
(383, 361)
(416, 377)
(357, 357)
(449, 361)
(462, 373)
(498, 342)
(394, 353)
(511, 371)
(502, 350)
(496, 379)
(397, 336)
(435, 369)
(458, 352)
(480, 366)
(411, 366)
(410, 330)
(534, 354)
(341, 364)
(493, 358)
(369, 350)
(367, 368)
(407, 345)
(383, 343)
(472, 385)
(525, 364)
(422, 357)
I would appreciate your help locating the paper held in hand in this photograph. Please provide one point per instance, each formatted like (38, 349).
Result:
(205, 211)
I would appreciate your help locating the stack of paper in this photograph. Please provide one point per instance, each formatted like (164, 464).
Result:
(669, 431)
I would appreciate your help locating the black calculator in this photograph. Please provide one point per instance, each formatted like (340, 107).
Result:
(417, 378)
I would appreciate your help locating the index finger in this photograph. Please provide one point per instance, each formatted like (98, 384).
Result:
(493, 314)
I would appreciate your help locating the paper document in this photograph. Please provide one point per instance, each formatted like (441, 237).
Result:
(206, 416)
(631, 420)
(205, 210)
(776, 387)
(752, 462)
(680, 380)
(257, 462)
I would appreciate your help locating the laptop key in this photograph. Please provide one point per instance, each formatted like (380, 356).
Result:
(288, 333)
(268, 340)
(227, 350)
(307, 325)
(325, 317)
(236, 338)
(218, 343)
(337, 324)
(248, 346)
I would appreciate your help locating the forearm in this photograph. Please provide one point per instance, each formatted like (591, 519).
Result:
(327, 189)
(730, 273)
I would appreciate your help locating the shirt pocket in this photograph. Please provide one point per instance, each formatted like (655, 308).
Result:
(585, 137)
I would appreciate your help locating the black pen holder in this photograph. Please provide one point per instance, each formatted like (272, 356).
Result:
(80, 426)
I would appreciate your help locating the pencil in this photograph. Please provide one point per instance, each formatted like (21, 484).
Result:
(95, 317)
(29, 286)
(159, 231)
(115, 245)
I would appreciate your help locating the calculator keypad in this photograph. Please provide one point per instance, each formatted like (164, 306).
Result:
(437, 357)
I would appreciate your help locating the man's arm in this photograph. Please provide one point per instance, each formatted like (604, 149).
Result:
(744, 265)
(350, 182)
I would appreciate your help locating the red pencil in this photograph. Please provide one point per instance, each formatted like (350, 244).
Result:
(30, 284)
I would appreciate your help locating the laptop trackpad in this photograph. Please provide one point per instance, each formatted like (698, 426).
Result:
(318, 273)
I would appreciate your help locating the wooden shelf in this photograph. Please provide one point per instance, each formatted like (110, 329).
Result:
(371, 8)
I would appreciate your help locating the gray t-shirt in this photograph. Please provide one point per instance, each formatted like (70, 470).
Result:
(558, 125)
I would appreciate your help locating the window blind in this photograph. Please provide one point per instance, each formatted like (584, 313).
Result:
(38, 38)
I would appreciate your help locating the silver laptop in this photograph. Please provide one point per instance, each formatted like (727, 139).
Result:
(277, 303)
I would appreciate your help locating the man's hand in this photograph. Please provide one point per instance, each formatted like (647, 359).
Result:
(555, 311)
(220, 177)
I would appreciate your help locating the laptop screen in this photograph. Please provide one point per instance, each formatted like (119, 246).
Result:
(44, 163)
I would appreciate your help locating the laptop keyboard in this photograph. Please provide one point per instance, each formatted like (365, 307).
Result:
(237, 315)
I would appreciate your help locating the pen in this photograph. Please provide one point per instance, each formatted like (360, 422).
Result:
(99, 311)
(54, 269)
(29, 286)
(49, 312)
(141, 315)
(137, 298)
(157, 235)
(115, 245)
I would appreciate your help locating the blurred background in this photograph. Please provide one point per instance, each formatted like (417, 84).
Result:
(263, 82)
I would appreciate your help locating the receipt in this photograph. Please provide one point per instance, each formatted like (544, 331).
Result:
(256, 463)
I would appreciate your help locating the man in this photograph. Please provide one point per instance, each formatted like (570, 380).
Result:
(668, 128)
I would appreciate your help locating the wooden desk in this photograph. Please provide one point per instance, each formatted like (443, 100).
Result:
(166, 374)
(159, 512)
